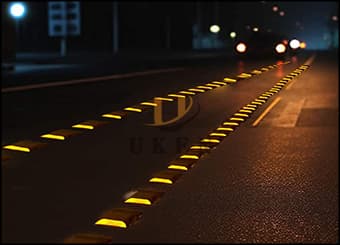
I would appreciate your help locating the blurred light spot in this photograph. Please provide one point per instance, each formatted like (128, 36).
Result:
(214, 28)
(280, 48)
(17, 10)
(275, 8)
(282, 13)
(335, 18)
(232, 34)
(241, 48)
(303, 45)
(255, 29)
(294, 43)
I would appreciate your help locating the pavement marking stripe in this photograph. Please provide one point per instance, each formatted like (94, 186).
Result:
(289, 116)
(86, 80)
(266, 111)
(290, 85)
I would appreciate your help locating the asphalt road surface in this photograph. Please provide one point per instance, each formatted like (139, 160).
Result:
(266, 170)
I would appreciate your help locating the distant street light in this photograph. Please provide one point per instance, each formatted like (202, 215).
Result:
(255, 29)
(214, 28)
(17, 10)
(282, 13)
(275, 8)
(294, 43)
(232, 34)
(335, 18)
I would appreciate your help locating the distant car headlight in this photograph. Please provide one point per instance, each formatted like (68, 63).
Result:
(241, 47)
(294, 43)
(280, 48)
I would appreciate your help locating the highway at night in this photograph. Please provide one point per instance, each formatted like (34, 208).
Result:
(225, 151)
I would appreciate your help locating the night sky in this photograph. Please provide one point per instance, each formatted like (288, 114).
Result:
(143, 23)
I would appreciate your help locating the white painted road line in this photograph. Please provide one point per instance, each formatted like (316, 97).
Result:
(87, 80)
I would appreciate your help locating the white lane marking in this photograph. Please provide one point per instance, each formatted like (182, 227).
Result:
(289, 116)
(310, 60)
(86, 80)
(266, 111)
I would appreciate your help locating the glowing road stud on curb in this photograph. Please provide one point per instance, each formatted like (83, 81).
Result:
(119, 217)
(218, 134)
(133, 109)
(144, 197)
(60, 134)
(187, 92)
(189, 157)
(163, 99)
(221, 83)
(231, 124)
(225, 129)
(229, 80)
(176, 95)
(166, 177)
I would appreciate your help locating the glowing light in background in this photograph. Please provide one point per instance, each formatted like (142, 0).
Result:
(214, 28)
(255, 29)
(17, 10)
(294, 43)
(303, 45)
(335, 18)
(232, 34)
(241, 48)
(282, 13)
(280, 48)
(275, 8)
